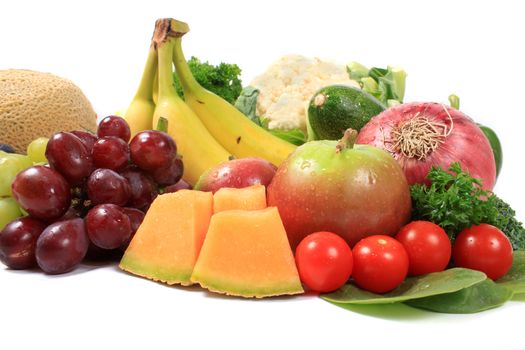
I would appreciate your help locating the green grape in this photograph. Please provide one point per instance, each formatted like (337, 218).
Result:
(10, 166)
(36, 150)
(9, 210)
(24, 161)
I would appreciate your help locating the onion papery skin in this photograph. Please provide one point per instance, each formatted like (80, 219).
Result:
(464, 143)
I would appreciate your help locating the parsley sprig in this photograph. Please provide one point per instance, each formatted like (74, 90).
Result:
(456, 201)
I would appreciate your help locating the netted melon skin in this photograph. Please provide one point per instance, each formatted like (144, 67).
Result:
(35, 104)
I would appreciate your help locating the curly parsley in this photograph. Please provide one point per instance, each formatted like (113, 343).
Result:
(456, 201)
(223, 79)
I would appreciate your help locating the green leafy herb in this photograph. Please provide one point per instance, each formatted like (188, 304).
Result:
(506, 221)
(386, 84)
(456, 201)
(223, 80)
(247, 104)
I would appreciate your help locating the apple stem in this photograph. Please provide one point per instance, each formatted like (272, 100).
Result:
(347, 141)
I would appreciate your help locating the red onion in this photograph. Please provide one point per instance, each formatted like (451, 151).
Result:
(422, 135)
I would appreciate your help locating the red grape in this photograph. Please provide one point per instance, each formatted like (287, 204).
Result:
(135, 218)
(18, 241)
(107, 186)
(87, 138)
(114, 126)
(152, 149)
(67, 154)
(181, 185)
(42, 192)
(62, 246)
(143, 189)
(111, 153)
(169, 175)
(108, 227)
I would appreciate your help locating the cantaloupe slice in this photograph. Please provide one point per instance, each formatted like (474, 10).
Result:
(246, 253)
(167, 243)
(247, 198)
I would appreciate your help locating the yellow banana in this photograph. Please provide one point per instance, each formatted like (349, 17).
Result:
(139, 114)
(199, 150)
(238, 134)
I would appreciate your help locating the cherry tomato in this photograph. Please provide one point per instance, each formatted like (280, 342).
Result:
(484, 248)
(324, 261)
(380, 263)
(427, 245)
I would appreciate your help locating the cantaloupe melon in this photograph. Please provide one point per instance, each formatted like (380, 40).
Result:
(167, 243)
(246, 253)
(247, 198)
(35, 104)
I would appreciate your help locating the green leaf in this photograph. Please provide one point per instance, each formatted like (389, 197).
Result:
(294, 136)
(385, 84)
(247, 103)
(447, 281)
(515, 278)
(356, 70)
(479, 297)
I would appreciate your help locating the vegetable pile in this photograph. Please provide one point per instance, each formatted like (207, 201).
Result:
(317, 176)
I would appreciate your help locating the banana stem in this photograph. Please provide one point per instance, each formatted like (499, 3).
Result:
(145, 90)
(187, 81)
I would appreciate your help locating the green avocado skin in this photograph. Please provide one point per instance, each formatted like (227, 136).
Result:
(335, 108)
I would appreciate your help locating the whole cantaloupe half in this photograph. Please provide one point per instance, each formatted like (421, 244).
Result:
(35, 104)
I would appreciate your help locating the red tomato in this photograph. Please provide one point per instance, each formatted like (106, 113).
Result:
(380, 263)
(427, 245)
(485, 248)
(324, 261)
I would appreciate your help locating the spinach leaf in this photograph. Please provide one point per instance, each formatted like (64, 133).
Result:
(447, 281)
(479, 297)
(515, 278)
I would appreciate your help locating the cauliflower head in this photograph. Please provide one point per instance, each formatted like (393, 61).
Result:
(288, 84)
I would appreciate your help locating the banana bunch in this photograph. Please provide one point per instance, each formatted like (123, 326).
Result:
(207, 129)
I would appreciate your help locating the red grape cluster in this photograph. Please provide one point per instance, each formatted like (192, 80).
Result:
(92, 196)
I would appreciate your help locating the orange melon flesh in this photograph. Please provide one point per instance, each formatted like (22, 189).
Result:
(167, 243)
(246, 253)
(247, 198)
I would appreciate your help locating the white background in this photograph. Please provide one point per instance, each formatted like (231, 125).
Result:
(474, 49)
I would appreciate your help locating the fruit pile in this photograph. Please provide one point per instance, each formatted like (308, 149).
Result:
(90, 198)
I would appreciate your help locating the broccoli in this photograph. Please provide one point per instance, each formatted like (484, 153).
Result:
(222, 80)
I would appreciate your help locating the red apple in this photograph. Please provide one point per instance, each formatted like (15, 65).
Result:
(352, 190)
(237, 173)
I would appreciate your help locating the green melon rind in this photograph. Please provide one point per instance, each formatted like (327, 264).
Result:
(243, 289)
(155, 272)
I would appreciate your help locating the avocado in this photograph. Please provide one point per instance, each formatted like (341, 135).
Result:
(335, 108)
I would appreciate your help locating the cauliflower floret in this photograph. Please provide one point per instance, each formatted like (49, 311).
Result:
(288, 84)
